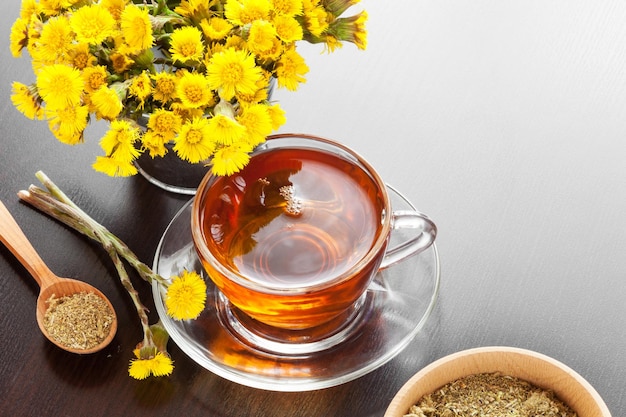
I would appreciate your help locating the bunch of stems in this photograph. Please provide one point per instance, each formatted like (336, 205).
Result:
(55, 203)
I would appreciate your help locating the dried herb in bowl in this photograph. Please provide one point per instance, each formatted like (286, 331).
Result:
(490, 395)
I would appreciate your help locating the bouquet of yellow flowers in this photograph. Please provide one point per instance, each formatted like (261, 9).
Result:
(191, 74)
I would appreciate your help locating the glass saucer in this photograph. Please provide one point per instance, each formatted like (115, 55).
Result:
(396, 307)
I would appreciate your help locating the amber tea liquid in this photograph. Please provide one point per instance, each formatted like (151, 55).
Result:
(293, 219)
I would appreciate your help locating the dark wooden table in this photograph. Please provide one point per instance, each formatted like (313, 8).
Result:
(504, 121)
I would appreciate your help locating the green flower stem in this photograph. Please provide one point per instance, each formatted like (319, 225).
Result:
(134, 295)
(46, 203)
(58, 205)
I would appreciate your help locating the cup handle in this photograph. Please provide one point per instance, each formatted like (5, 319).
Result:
(410, 219)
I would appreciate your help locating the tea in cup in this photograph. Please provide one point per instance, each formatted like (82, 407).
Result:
(295, 238)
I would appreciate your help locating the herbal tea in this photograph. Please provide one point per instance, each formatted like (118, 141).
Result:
(293, 218)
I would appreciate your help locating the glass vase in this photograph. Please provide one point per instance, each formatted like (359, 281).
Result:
(170, 172)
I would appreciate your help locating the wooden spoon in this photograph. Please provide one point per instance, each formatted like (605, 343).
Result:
(14, 238)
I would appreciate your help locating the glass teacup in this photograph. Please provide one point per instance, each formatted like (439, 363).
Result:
(294, 239)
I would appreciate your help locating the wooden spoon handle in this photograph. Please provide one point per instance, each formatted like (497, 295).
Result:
(14, 238)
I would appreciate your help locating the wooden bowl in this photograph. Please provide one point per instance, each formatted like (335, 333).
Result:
(540, 370)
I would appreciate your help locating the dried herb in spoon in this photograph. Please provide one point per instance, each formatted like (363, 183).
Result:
(490, 395)
(78, 321)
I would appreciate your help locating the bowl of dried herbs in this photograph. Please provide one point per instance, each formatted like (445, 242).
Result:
(497, 381)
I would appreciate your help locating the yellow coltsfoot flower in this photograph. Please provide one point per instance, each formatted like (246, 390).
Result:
(60, 85)
(186, 296)
(231, 159)
(187, 44)
(150, 361)
(194, 142)
(25, 99)
(351, 29)
(232, 71)
(92, 24)
(136, 28)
